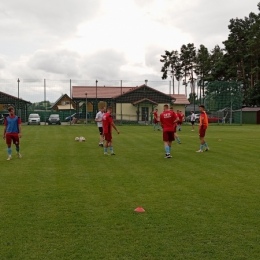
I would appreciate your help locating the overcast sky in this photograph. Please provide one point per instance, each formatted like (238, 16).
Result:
(106, 39)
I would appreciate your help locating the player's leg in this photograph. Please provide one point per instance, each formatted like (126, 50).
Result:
(192, 125)
(16, 141)
(112, 148)
(8, 140)
(166, 144)
(105, 144)
(108, 143)
(154, 124)
(177, 138)
(180, 126)
(100, 136)
(205, 143)
(201, 137)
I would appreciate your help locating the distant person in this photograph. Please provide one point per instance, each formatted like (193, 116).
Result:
(98, 119)
(202, 129)
(175, 129)
(168, 119)
(192, 120)
(156, 120)
(180, 116)
(74, 120)
(12, 132)
(151, 117)
(108, 123)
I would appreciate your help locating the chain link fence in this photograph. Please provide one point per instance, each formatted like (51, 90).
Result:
(223, 100)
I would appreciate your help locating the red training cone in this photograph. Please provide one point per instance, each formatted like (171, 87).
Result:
(139, 209)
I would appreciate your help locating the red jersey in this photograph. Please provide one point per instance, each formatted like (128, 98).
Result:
(107, 120)
(180, 115)
(155, 115)
(205, 117)
(167, 119)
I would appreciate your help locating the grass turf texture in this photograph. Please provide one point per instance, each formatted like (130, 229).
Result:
(66, 200)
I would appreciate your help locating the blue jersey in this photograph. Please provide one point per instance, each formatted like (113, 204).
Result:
(12, 124)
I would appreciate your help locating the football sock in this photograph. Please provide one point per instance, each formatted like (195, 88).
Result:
(111, 149)
(201, 147)
(9, 151)
(17, 148)
(178, 139)
(105, 150)
(167, 149)
(206, 145)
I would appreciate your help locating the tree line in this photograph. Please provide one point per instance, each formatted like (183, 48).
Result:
(238, 61)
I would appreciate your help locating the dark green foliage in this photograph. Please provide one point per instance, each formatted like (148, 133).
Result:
(239, 61)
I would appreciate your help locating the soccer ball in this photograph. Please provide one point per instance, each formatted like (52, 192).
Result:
(82, 139)
(76, 138)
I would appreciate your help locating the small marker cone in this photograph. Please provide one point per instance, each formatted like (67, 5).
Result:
(139, 209)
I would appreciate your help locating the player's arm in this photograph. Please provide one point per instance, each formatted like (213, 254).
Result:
(176, 120)
(96, 119)
(114, 126)
(20, 130)
(202, 120)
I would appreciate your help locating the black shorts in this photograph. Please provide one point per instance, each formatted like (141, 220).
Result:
(192, 122)
(100, 129)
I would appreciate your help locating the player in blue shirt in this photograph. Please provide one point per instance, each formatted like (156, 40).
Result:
(12, 132)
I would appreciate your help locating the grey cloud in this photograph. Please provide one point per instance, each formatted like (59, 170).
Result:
(204, 19)
(2, 63)
(152, 57)
(103, 64)
(29, 17)
(61, 62)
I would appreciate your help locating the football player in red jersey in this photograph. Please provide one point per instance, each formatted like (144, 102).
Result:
(202, 129)
(181, 116)
(155, 120)
(168, 120)
(108, 123)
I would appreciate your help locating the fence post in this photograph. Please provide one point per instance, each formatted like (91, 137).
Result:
(45, 104)
(121, 101)
(70, 103)
(18, 105)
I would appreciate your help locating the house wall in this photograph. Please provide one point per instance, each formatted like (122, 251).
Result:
(129, 111)
(65, 100)
(179, 107)
(3, 107)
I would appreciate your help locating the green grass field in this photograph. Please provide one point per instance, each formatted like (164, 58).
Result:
(66, 200)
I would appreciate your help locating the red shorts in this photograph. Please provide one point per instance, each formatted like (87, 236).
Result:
(179, 122)
(168, 136)
(155, 121)
(202, 131)
(108, 137)
(12, 137)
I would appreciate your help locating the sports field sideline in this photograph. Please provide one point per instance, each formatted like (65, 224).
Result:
(66, 200)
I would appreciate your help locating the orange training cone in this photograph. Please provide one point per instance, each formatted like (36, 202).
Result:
(139, 209)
